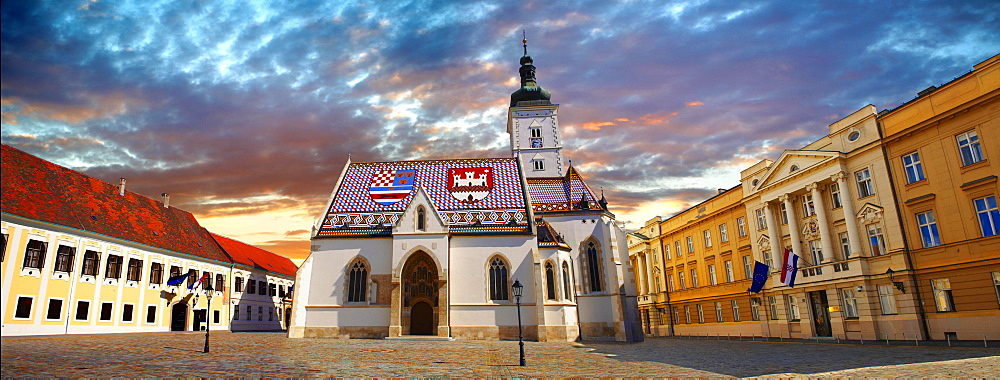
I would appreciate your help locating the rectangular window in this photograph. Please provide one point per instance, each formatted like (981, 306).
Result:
(23, 310)
(701, 314)
(784, 212)
(175, 271)
(151, 314)
(236, 313)
(272, 289)
(929, 236)
(261, 288)
(34, 254)
(156, 273)
(82, 310)
(769, 261)
(252, 286)
(708, 238)
(747, 268)
(239, 284)
(694, 278)
(249, 313)
(666, 251)
(220, 282)
(55, 309)
(996, 284)
(718, 311)
(772, 301)
(887, 298)
(677, 315)
(736, 310)
(942, 294)
(677, 246)
(687, 314)
(808, 207)
(91, 263)
(260, 310)
(968, 148)
(730, 277)
(712, 278)
(134, 270)
(723, 233)
(670, 282)
(114, 267)
(680, 279)
(835, 198)
(106, 309)
(845, 244)
(741, 226)
(816, 248)
(913, 168)
(876, 240)
(690, 244)
(216, 315)
(64, 258)
(793, 309)
(864, 178)
(535, 132)
(538, 165)
(192, 277)
(755, 308)
(127, 310)
(761, 219)
(988, 215)
(850, 303)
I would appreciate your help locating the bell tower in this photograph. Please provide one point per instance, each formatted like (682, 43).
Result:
(533, 125)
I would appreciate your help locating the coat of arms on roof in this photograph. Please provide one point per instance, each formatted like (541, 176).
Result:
(391, 186)
(470, 184)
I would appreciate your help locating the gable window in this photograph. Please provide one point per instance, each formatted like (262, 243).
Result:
(567, 289)
(114, 267)
(942, 294)
(793, 169)
(64, 258)
(968, 148)
(535, 132)
(913, 168)
(723, 233)
(708, 238)
(929, 236)
(550, 282)
(741, 226)
(134, 269)
(875, 239)
(498, 280)
(864, 179)
(761, 220)
(156, 273)
(988, 215)
(91, 263)
(538, 165)
(594, 267)
(835, 196)
(34, 254)
(421, 219)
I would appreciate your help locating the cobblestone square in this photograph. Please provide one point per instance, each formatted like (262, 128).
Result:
(274, 355)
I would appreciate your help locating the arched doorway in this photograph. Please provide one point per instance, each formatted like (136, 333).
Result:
(178, 315)
(422, 319)
(420, 286)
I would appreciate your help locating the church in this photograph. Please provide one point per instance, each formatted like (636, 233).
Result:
(433, 247)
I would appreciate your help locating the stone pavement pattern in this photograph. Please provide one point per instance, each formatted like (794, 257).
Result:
(273, 355)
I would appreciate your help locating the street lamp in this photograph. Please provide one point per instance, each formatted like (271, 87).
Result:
(517, 298)
(208, 322)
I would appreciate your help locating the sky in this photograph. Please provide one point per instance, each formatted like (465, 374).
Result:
(246, 111)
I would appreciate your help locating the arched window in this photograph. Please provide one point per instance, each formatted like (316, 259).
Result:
(550, 281)
(357, 284)
(567, 289)
(421, 219)
(594, 267)
(498, 280)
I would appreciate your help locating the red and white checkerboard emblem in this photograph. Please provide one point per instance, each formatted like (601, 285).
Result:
(391, 186)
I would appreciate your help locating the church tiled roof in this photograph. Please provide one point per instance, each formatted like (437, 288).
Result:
(548, 237)
(562, 194)
(473, 196)
(39, 190)
(249, 255)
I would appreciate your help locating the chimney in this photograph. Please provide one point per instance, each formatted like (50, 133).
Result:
(121, 187)
(166, 200)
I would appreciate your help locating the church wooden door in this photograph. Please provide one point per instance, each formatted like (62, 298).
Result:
(422, 319)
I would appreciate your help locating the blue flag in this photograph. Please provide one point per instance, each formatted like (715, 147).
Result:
(178, 279)
(759, 277)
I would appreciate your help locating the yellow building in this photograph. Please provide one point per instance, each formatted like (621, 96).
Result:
(942, 149)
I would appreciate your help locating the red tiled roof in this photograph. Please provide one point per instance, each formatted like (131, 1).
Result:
(40, 190)
(247, 254)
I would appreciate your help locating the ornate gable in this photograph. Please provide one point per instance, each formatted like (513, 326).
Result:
(869, 214)
(795, 162)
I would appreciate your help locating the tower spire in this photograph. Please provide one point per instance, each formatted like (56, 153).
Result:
(530, 90)
(524, 40)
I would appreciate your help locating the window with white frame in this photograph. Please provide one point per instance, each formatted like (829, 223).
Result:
(708, 238)
(761, 220)
(913, 168)
(755, 308)
(676, 314)
(996, 284)
(680, 279)
(723, 233)
(887, 298)
(690, 244)
(864, 179)
(694, 278)
(357, 283)
(741, 226)
(747, 269)
(793, 309)
(783, 210)
(670, 282)
(538, 165)
(718, 311)
(772, 301)
(850, 303)
(808, 207)
(677, 248)
(876, 241)
(769, 261)
(730, 277)
(845, 244)
(535, 131)
(687, 314)
(943, 300)
(816, 249)
(701, 314)
(736, 310)
(712, 278)
(666, 251)
(835, 198)
(927, 225)
(988, 215)
(968, 147)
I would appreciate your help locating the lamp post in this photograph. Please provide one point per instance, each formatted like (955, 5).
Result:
(208, 322)
(517, 298)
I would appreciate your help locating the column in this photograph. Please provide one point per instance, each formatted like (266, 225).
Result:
(774, 232)
(824, 228)
(648, 265)
(640, 274)
(849, 216)
(793, 227)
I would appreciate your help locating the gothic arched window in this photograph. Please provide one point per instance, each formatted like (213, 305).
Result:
(594, 267)
(498, 280)
(550, 281)
(421, 219)
(357, 284)
(567, 289)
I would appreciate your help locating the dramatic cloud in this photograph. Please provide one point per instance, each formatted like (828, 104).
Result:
(247, 111)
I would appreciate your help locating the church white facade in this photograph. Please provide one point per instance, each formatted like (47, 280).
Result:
(433, 247)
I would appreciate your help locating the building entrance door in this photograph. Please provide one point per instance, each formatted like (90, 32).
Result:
(420, 296)
(178, 315)
(199, 320)
(422, 319)
(821, 315)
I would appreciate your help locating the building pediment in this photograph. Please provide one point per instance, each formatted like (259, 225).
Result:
(795, 163)
(869, 214)
(764, 243)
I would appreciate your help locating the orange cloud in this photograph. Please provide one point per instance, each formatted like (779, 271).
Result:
(620, 119)
(695, 103)
(657, 118)
(596, 126)
(97, 107)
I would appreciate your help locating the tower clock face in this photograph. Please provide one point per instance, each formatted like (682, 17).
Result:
(536, 142)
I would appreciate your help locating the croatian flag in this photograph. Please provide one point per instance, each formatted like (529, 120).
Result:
(789, 268)
(196, 284)
(178, 279)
